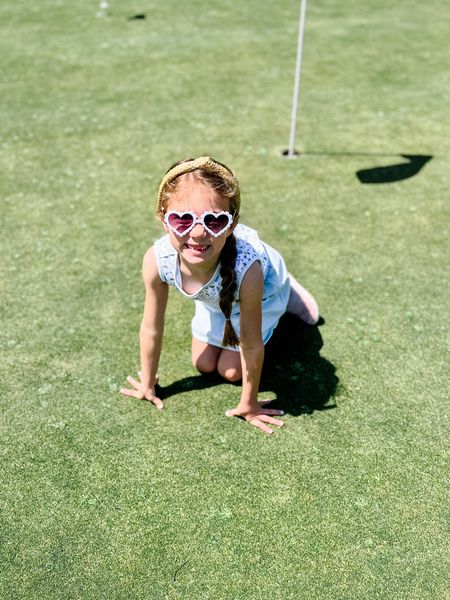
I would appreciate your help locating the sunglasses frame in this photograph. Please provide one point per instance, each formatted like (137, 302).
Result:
(200, 219)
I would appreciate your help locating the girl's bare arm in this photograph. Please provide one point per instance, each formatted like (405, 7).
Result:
(152, 325)
(252, 352)
(151, 331)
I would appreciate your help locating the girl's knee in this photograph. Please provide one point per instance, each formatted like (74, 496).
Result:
(205, 364)
(230, 374)
(204, 356)
(229, 366)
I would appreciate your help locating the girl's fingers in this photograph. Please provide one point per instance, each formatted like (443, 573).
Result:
(269, 411)
(264, 402)
(157, 402)
(256, 422)
(231, 413)
(260, 420)
(137, 394)
(128, 392)
(271, 420)
(133, 382)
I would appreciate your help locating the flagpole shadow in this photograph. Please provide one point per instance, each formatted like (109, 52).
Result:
(413, 164)
(396, 172)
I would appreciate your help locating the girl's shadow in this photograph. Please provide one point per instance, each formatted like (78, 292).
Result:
(302, 380)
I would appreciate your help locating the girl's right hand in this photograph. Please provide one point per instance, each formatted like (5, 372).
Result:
(258, 416)
(141, 392)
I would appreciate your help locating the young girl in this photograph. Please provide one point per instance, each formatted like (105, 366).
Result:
(240, 285)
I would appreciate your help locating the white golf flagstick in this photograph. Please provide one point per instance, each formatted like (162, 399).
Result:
(103, 8)
(298, 67)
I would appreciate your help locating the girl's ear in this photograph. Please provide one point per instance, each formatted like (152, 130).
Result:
(166, 229)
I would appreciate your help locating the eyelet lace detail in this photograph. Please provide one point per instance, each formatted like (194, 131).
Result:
(166, 257)
(249, 250)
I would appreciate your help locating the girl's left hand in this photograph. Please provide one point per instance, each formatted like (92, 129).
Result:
(141, 392)
(258, 416)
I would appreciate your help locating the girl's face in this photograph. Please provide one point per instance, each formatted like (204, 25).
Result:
(198, 247)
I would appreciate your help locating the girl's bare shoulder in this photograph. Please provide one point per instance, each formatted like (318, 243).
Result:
(150, 270)
(252, 283)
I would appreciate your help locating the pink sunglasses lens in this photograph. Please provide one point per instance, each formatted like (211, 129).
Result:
(181, 222)
(216, 223)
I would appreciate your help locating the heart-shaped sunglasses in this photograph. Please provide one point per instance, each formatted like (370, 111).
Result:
(181, 223)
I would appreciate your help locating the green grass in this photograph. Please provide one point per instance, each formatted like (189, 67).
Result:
(103, 497)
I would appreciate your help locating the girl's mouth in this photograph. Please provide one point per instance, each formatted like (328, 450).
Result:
(196, 248)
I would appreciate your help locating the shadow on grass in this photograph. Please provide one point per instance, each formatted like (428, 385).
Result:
(396, 172)
(385, 173)
(301, 379)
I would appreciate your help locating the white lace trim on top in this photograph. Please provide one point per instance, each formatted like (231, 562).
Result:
(249, 250)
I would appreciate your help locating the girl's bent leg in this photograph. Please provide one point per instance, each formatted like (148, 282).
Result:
(302, 303)
(204, 356)
(229, 365)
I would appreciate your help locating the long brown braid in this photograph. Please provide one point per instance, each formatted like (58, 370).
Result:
(229, 285)
(219, 178)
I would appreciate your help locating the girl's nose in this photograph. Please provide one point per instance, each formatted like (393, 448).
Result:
(198, 230)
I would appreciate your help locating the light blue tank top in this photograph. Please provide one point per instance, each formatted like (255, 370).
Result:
(209, 322)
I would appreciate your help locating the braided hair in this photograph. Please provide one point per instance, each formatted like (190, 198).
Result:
(229, 285)
(219, 178)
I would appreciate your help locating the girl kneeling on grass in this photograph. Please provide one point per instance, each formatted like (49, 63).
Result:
(240, 285)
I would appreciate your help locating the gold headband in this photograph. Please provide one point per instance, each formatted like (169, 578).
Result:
(206, 164)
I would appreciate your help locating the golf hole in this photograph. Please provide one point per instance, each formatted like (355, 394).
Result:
(285, 153)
